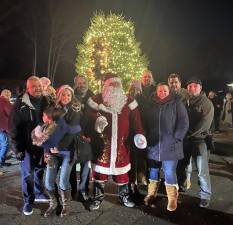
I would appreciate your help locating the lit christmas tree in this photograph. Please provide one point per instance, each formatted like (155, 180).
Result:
(109, 45)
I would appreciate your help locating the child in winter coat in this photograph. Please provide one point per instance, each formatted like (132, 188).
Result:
(50, 133)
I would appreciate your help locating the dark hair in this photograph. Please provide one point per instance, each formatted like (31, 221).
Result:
(194, 80)
(174, 75)
(53, 112)
(162, 84)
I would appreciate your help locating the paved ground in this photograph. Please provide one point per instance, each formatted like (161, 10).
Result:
(220, 211)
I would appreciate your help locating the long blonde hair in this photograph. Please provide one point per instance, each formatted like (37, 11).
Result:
(75, 104)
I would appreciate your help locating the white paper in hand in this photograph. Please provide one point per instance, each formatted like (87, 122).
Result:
(140, 141)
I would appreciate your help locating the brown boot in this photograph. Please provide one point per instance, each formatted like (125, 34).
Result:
(65, 198)
(153, 187)
(52, 203)
(172, 195)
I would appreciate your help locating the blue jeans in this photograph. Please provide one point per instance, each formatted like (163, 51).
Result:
(4, 145)
(63, 159)
(201, 161)
(169, 169)
(84, 177)
(32, 171)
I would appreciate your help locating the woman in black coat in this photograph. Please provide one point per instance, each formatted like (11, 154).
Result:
(166, 126)
(66, 158)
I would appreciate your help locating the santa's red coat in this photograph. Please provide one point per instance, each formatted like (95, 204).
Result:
(115, 156)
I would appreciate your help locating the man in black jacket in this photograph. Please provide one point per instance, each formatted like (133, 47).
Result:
(82, 93)
(26, 115)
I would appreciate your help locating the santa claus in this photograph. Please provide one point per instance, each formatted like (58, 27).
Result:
(114, 115)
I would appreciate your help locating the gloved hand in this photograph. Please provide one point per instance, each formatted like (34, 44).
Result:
(20, 156)
(100, 124)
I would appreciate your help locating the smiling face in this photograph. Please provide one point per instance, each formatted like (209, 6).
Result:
(194, 89)
(81, 84)
(66, 97)
(162, 91)
(174, 84)
(34, 88)
(147, 79)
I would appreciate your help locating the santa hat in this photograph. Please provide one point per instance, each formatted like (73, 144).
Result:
(111, 78)
(60, 90)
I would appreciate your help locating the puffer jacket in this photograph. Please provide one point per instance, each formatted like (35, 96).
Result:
(166, 126)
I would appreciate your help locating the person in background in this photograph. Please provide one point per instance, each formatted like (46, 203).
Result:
(227, 112)
(48, 90)
(26, 115)
(5, 110)
(82, 93)
(166, 126)
(174, 83)
(141, 91)
(138, 157)
(147, 83)
(45, 82)
(217, 110)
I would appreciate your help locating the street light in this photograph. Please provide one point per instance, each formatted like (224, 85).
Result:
(230, 86)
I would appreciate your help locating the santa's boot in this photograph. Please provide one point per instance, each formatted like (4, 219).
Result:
(124, 196)
(153, 187)
(65, 198)
(52, 203)
(172, 195)
(98, 198)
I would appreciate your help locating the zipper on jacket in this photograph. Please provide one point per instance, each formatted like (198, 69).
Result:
(160, 109)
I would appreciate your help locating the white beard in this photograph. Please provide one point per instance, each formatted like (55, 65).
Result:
(114, 98)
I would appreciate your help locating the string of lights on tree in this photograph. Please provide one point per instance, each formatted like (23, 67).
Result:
(109, 45)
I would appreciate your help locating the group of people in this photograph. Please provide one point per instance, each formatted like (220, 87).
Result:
(130, 137)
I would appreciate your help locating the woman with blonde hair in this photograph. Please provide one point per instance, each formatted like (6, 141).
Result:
(66, 155)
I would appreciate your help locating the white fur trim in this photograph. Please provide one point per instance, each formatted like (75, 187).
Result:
(92, 104)
(121, 184)
(112, 80)
(111, 171)
(98, 107)
(103, 108)
(174, 185)
(114, 141)
(133, 105)
(26, 100)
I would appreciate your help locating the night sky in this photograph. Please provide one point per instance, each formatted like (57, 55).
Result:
(193, 38)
